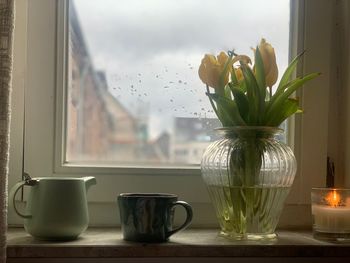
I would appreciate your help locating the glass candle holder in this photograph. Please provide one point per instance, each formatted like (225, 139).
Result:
(331, 214)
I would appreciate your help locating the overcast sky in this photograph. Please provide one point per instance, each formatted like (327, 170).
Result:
(151, 49)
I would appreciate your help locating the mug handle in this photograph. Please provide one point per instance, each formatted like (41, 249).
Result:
(188, 220)
(12, 195)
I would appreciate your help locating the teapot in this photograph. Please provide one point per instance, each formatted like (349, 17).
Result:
(56, 208)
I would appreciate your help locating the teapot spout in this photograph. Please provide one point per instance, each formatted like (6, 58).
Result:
(89, 181)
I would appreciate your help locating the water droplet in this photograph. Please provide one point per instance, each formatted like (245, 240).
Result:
(180, 81)
(166, 87)
(202, 109)
(171, 100)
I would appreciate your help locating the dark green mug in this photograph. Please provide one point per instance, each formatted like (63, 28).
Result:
(149, 217)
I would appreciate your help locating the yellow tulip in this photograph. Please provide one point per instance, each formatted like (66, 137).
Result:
(238, 71)
(269, 59)
(239, 74)
(211, 68)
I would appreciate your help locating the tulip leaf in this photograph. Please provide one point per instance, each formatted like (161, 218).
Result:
(276, 95)
(278, 102)
(260, 72)
(227, 92)
(256, 101)
(288, 108)
(288, 73)
(241, 102)
(229, 110)
(242, 86)
(211, 101)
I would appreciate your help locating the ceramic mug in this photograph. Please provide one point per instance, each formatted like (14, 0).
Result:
(56, 208)
(149, 217)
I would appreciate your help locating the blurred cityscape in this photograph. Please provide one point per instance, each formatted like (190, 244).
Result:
(100, 128)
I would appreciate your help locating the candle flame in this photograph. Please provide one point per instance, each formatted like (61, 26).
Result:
(333, 198)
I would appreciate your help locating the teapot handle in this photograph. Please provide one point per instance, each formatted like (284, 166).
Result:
(12, 197)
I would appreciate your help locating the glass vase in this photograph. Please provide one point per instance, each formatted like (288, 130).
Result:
(248, 174)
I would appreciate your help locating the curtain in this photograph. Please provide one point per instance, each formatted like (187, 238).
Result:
(6, 39)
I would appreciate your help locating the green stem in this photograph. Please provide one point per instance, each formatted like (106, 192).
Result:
(245, 165)
(270, 92)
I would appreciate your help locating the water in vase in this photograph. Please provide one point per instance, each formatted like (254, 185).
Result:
(248, 212)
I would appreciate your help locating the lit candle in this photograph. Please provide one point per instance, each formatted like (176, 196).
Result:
(334, 217)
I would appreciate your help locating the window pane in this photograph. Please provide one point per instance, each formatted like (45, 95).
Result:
(134, 96)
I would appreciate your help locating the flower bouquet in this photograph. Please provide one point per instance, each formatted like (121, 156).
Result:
(249, 173)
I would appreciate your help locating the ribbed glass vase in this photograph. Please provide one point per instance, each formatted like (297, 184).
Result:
(248, 174)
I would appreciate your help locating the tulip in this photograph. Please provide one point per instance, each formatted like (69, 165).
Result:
(269, 59)
(239, 75)
(212, 68)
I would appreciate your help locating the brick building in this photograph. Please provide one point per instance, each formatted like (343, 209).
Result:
(98, 126)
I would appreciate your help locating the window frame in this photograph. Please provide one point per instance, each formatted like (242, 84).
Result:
(43, 140)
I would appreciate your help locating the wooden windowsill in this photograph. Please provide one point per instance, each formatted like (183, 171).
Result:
(107, 243)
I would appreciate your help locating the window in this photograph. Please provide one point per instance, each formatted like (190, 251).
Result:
(133, 92)
(49, 148)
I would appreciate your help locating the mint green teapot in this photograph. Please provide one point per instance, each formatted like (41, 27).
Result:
(56, 208)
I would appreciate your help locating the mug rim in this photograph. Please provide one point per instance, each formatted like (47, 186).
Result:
(147, 195)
